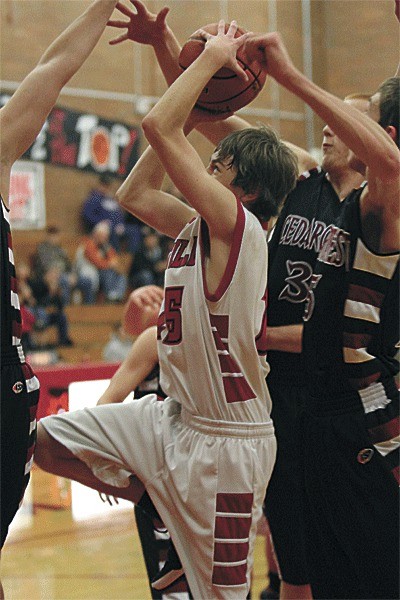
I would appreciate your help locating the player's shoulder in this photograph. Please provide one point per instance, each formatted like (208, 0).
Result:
(313, 175)
(307, 182)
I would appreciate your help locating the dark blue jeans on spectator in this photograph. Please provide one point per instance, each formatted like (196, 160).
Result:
(113, 284)
(59, 319)
(84, 284)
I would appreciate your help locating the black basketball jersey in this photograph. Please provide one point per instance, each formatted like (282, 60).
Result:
(352, 311)
(150, 385)
(10, 309)
(302, 227)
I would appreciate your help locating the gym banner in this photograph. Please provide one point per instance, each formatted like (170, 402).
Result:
(86, 142)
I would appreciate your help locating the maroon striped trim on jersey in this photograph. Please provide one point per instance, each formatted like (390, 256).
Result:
(365, 322)
(261, 338)
(370, 279)
(236, 387)
(10, 312)
(232, 260)
(381, 404)
(310, 173)
(231, 545)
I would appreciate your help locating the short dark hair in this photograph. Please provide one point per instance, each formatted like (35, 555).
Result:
(105, 179)
(389, 104)
(264, 165)
(52, 229)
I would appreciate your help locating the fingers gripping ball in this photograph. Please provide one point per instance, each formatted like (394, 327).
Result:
(225, 92)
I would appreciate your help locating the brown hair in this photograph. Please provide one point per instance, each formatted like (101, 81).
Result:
(264, 165)
(389, 104)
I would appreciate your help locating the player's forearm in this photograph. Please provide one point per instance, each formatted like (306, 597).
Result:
(140, 195)
(117, 391)
(124, 381)
(71, 48)
(167, 50)
(148, 174)
(173, 109)
(366, 138)
(286, 338)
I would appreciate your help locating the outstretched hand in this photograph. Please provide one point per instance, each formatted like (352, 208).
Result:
(269, 50)
(143, 26)
(227, 45)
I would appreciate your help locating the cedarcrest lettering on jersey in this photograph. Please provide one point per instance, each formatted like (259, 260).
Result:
(299, 231)
(336, 249)
(183, 254)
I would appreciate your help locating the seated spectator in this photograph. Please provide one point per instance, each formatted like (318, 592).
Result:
(49, 308)
(50, 254)
(119, 345)
(133, 233)
(149, 263)
(98, 260)
(100, 205)
(31, 316)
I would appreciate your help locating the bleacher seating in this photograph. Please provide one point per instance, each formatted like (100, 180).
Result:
(90, 325)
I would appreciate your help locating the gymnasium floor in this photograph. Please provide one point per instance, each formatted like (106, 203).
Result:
(65, 544)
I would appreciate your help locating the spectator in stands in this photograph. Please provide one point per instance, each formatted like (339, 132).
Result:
(50, 254)
(100, 205)
(27, 305)
(149, 263)
(98, 260)
(118, 346)
(49, 307)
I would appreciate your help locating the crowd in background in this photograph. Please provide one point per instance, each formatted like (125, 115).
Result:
(52, 279)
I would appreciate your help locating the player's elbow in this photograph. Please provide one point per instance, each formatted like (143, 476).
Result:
(153, 129)
(126, 197)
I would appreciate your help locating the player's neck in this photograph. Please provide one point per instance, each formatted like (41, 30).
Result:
(344, 182)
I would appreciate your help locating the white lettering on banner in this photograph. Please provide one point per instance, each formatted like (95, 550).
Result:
(99, 146)
(85, 126)
(38, 149)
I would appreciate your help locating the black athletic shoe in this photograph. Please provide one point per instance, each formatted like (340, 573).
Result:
(269, 594)
(170, 572)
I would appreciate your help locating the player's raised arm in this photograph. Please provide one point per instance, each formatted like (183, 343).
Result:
(25, 113)
(164, 128)
(152, 29)
(372, 144)
(140, 194)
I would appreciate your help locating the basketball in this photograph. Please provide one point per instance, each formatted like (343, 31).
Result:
(226, 92)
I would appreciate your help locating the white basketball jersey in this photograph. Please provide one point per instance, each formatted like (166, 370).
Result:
(212, 346)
